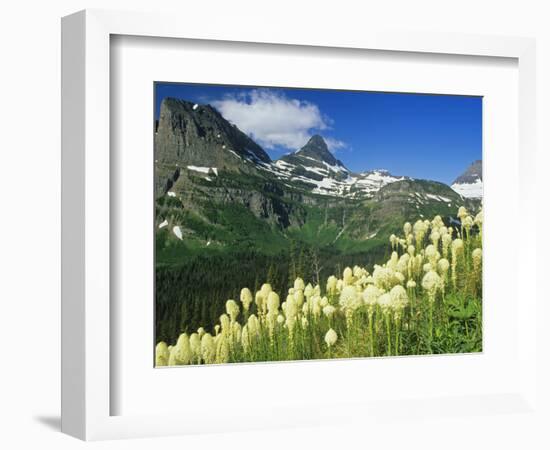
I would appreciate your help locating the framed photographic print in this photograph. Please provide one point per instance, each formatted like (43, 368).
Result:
(287, 218)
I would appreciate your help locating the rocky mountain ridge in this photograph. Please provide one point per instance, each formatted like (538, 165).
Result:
(216, 186)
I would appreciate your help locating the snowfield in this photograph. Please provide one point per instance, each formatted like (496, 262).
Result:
(469, 190)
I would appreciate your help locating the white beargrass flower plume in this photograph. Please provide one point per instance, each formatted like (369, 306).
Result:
(419, 229)
(350, 301)
(246, 298)
(432, 255)
(329, 311)
(399, 300)
(232, 309)
(273, 303)
(347, 276)
(370, 297)
(182, 351)
(393, 241)
(225, 323)
(477, 256)
(457, 250)
(330, 338)
(208, 349)
(432, 283)
(299, 284)
(331, 285)
(161, 354)
(298, 298)
(195, 345)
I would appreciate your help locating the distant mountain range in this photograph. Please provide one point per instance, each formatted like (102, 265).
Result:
(205, 165)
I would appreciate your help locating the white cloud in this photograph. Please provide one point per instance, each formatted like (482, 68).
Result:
(334, 144)
(274, 120)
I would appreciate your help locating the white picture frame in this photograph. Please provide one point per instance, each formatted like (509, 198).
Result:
(86, 222)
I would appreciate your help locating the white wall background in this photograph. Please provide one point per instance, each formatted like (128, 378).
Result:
(30, 198)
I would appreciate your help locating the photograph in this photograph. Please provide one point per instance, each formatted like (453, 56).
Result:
(296, 224)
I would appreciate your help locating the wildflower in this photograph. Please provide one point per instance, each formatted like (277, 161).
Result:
(308, 291)
(245, 338)
(392, 263)
(399, 300)
(348, 276)
(457, 249)
(265, 290)
(445, 243)
(479, 219)
(329, 311)
(172, 359)
(393, 241)
(462, 212)
(385, 302)
(411, 284)
(246, 298)
(467, 223)
(419, 230)
(299, 298)
(232, 309)
(407, 228)
(201, 332)
(317, 290)
(224, 321)
(161, 354)
(432, 254)
(208, 348)
(331, 285)
(410, 250)
(260, 300)
(437, 222)
(280, 319)
(431, 283)
(349, 299)
(222, 349)
(443, 267)
(183, 351)
(273, 302)
(195, 345)
(253, 325)
(299, 284)
(403, 263)
(477, 254)
(236, 331)
(331, 337)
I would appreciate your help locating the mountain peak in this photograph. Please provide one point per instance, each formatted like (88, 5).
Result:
(194, 134)
(317, 149)
(470, 183)
(473, 173)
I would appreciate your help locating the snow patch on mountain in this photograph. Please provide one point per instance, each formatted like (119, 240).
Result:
(469, 190)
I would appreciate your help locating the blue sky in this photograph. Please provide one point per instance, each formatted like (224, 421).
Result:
(423, 136)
